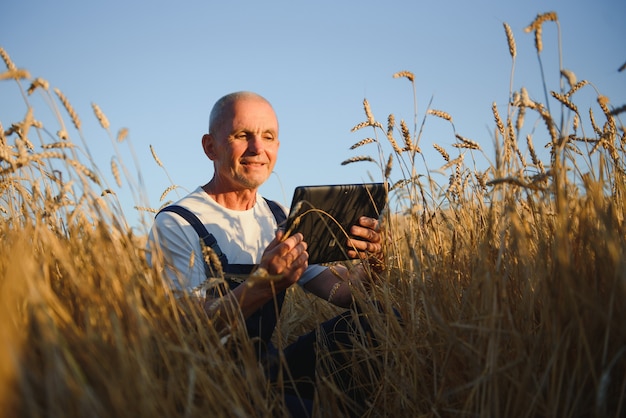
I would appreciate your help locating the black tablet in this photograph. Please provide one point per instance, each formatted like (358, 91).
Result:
(324, 215)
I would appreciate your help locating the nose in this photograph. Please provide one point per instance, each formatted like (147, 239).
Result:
(255, 144)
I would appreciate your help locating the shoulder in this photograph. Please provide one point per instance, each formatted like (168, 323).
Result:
(278, 210)
(196, 202)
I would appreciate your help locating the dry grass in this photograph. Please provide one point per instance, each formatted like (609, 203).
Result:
(510, 280)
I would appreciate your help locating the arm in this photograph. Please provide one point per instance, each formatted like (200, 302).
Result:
(282, 264)
(335, 283)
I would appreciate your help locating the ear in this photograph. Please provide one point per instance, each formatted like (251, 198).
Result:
(208, 145)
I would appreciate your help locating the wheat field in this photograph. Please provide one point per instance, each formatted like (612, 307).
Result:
(510, 278)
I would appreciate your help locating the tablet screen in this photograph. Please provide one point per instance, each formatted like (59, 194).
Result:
(324, 215)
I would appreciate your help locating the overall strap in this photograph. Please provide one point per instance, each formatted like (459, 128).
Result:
(277, 211)
(208, 238)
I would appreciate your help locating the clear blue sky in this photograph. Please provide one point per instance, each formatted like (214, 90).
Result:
(157, 67)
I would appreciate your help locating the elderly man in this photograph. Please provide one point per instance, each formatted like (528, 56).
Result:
(242, 229)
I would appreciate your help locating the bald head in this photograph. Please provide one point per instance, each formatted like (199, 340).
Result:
(222, 108)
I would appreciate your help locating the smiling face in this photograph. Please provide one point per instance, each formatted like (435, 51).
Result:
(243, 144)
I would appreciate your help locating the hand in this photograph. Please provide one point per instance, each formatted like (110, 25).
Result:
(367, 243)
(285, 259)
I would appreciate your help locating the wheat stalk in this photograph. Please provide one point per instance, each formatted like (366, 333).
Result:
(442, 151)
(363, 142)
(391, 121)
(104, 122)
(536, 26)
(122, 134)
(58, 145)
(576, 87)
(570, 77)
(510, 39)
(406, 74)
(368, 112)
(62, 134)
(358, 159)
(564, 99)
(457, 161)
(496, 115)
(68, 107)
(37, 83)
(7, 60)
(146, 209)
(166, 192)
(84, 170)
(440, 114)
(116, 173)
(155, 157)
(388, 166)
(466, 143)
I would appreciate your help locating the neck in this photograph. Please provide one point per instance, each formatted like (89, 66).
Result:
(233, 199)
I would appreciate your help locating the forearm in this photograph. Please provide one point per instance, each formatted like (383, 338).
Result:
(243, 300)
(337, 284)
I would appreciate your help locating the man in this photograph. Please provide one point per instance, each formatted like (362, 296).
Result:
(243, 232)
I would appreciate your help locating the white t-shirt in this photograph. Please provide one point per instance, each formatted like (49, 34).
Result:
(241, 235)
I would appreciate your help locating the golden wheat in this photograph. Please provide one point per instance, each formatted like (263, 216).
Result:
(155, 157)
(540, 19)
(570, 77)
(440, 114)
(456, 162)
(116, 173)
(166, 192)
(391, 121)
(442, 151)
(104, 122)
(466, 143)
(358, 159)
(406, 74)
(7, 59)
(576, 87)
(406, 136)
(122, 134)
(510, 39)
(368, 112)
(58, 145)
(63, 135)
(79, 167)
(388, 167)
(37, 83)
(496, 115)
(564, 99)
(489, 285)
(68, 107)
(363, 142)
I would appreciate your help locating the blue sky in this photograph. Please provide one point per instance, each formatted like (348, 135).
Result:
(157, 67)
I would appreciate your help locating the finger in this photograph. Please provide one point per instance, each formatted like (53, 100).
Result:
(289, 244)
(367, 234)
(292, 256)
(285, 257)
(364, 246)
(368, 222)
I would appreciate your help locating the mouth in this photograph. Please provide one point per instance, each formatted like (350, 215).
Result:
(253, 163)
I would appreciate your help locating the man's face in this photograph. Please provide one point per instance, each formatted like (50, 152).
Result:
(244, 146)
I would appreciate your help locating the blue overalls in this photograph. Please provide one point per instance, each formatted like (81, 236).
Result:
(261, 323)
(300, 357)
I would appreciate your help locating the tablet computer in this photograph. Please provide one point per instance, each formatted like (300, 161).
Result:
(324, 215)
